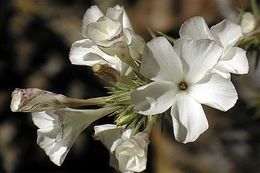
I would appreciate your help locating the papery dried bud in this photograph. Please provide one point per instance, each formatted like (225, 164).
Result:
(35, 100)
(106, 73)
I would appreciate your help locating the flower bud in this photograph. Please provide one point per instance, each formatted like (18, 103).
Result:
(248, 22)
(106, 72)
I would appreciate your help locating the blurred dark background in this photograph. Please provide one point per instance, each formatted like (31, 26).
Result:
(35, 39)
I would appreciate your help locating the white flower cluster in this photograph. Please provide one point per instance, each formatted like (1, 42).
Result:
(149, 79)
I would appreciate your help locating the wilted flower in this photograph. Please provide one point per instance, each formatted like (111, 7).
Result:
(107, 37)
(226, 34)
(248, 22)
(59, 129)
(106, 72)
(182, 81)
(128, 152)
(36, 100)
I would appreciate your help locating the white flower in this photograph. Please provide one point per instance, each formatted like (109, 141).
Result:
(110, 32)
(35, 100)
(128, 152)
(248, 22)
(59, 129)
(226, 34)
(107, 134)
(182, 81)
(131, 151)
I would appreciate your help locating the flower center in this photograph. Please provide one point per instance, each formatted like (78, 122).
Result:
(183, 85)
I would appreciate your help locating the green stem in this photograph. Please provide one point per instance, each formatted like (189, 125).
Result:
(71, 102)
(171, 39)
(153, 35)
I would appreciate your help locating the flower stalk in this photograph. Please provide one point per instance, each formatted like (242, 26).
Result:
(72, 102)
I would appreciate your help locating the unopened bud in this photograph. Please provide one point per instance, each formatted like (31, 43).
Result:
(124, 120)
(248, 22)
(106, 73)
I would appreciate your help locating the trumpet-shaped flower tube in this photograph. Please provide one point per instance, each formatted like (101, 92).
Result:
(59, 129)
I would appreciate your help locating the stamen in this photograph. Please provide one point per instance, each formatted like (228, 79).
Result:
(183, 86)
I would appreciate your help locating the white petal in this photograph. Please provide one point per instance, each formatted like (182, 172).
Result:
(178, 44)
(43, 120)
(126, 21)
(113, 162)
(177, 47)
(160, 62)
(105, 127)
(226, 33)
(234, 61)
(85, 52)
(154, 98)
(195, 28)
(200, 56)
(107, 134)
(221, 72)
(135, 43)
(180, 132)
(118, 13)
(55, 150)
(91, 15)
(104, 32)
(59, 129)
(127, 134)
(115, 13)
(216, 92)
(191, 116)
(131, 151)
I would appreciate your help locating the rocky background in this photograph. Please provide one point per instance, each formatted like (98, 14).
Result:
(35, 39)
